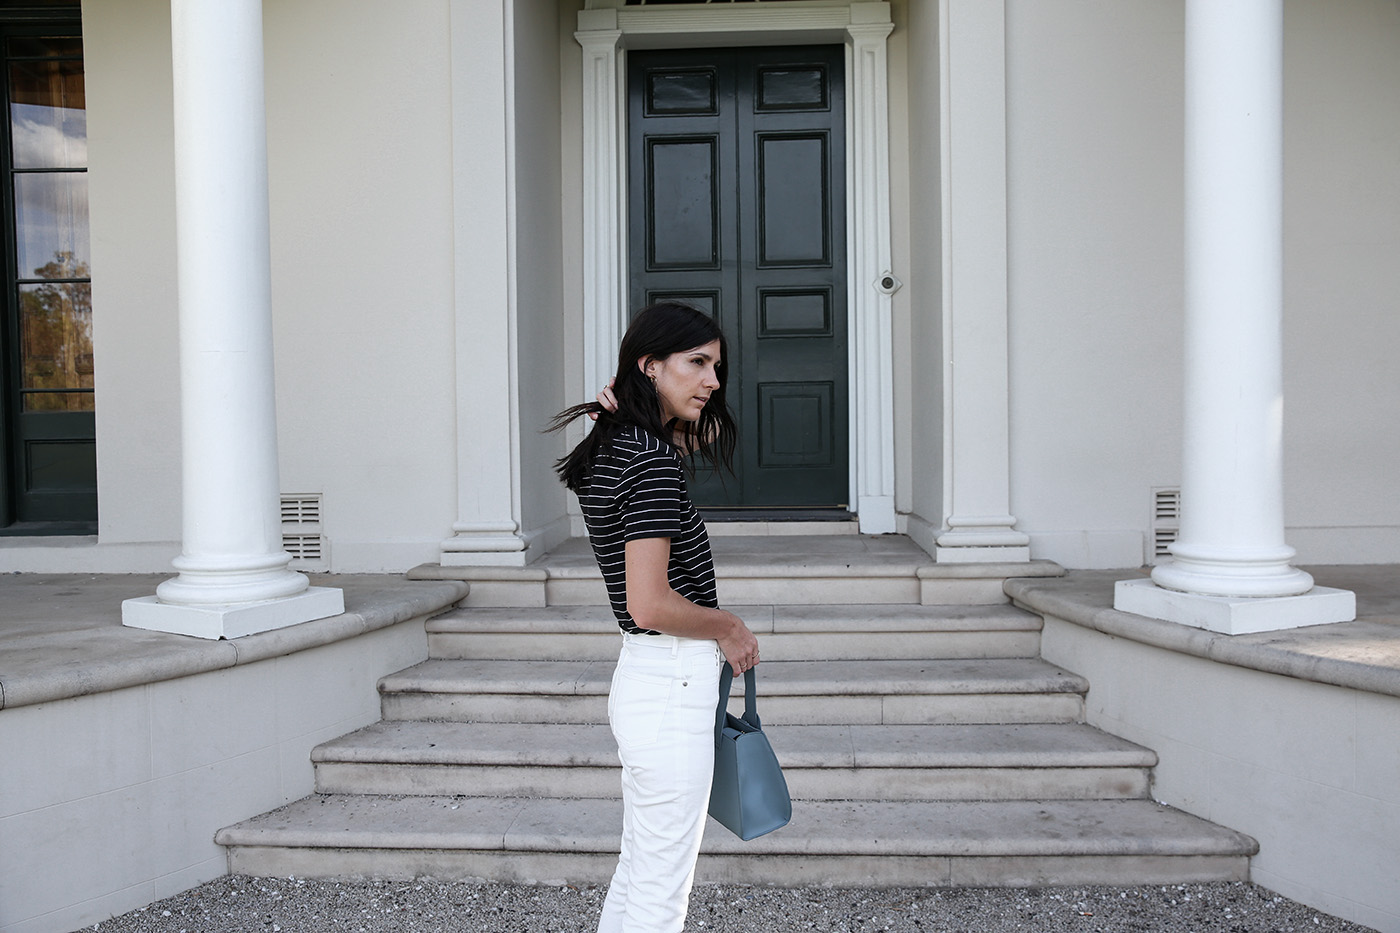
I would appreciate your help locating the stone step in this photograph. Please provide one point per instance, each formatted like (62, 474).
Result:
(1005, 690)
(904, 762)
(886, 843)
(761, 570)
(786, 633)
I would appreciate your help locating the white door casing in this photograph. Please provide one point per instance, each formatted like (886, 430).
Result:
(606, 30)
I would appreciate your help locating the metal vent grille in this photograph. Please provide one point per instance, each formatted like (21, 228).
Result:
(302, 547)
(301, 532)
(301, 510)
(1166, 520)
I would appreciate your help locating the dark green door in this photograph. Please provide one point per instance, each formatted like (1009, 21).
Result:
(737, 205)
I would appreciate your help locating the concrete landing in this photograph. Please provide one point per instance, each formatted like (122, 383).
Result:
(794, 570)
(61, 635)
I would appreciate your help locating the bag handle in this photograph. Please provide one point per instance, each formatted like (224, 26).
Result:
(726, 681)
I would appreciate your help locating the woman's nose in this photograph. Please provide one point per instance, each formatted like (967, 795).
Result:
(711, 379)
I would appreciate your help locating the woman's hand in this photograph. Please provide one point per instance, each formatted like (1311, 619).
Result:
(740, 646)
(606, 399)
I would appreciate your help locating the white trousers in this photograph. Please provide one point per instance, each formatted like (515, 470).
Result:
(662, 711)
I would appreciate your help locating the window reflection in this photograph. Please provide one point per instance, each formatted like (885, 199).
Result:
(56, 343)
(51, 219)
(48, 160)
(48, 116)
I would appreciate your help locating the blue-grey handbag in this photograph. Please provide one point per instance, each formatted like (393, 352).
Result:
(749, 795)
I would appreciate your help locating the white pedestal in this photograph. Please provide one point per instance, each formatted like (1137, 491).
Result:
(486, 544)
(981, 555)
(236, 620)
(1235, 615)
(483, 558)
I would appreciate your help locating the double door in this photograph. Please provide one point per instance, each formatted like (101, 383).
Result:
(737, 198)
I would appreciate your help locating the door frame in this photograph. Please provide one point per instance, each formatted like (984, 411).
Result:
(607, 29)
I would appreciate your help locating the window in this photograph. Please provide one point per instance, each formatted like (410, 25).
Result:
(48, 480)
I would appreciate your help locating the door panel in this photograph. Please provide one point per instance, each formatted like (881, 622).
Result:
(793, 195)
(683, 219)
(737, 201)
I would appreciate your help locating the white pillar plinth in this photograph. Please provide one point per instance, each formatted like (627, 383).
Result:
(977, 421)
(1238, 615)
(233, 570)
(1231, 547)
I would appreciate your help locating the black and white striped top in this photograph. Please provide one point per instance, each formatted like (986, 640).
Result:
(636, 489)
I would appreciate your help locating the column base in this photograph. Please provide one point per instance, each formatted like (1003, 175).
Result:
(234, 620)
(1235, 615)
(486, 544)
(981, 555)
(485, 551)
(990, 540)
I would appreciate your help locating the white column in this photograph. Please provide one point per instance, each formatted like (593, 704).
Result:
(977, 467)
(233, 575)
(487, 530)
(871, 281)
(1231, 569)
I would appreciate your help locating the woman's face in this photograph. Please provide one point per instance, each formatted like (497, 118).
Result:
(685, 380)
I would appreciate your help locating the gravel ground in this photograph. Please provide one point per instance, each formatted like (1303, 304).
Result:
(290, 905)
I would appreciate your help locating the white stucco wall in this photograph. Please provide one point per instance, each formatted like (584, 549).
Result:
(1341, 279)
(111, 801)
(1095, 180)
(1094, 160)
(539, 257)
(359, 162)
(132, 229)
(359, 176)
(1305, 768)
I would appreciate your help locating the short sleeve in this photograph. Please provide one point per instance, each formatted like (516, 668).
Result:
(652, 497)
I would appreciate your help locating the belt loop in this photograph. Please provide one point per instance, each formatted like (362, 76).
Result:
(675, 647)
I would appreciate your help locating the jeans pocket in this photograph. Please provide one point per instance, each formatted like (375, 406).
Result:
(638, 705)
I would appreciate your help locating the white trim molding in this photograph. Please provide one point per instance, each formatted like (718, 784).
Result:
(869, 259)
(606, 30)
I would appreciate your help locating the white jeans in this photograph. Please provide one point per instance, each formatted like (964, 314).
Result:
(662, 710)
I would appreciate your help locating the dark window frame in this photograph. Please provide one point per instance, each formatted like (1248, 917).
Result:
(63, 19)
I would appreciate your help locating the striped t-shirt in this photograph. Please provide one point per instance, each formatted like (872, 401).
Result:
(636, 489)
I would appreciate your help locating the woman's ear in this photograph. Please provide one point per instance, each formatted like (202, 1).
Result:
(644, 364)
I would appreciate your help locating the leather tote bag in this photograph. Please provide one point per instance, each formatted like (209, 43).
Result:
(749, 795)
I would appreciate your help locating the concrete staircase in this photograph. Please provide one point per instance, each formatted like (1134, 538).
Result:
(924, 744)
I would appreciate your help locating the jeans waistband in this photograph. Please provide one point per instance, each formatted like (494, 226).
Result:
(670, 644)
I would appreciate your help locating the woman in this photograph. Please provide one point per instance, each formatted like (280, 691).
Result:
(666, 400)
